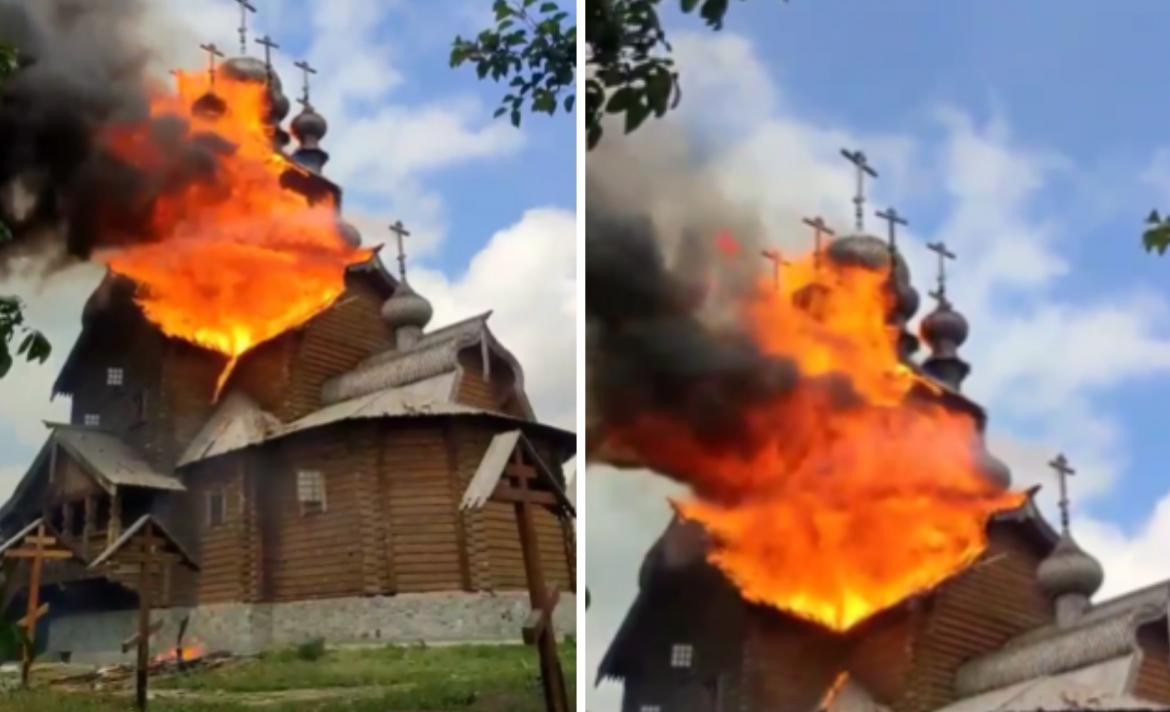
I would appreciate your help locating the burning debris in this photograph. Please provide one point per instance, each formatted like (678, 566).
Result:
(184, 190)
(831, 476)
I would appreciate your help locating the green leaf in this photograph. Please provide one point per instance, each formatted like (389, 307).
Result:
(622, 99)
(635, 115)
(5, 359)
(569, 101)
(1153, 218)
(549, 7)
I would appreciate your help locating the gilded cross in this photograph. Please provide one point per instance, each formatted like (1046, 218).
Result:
(245, 8)
(212, 53)
(858, 159)
(306, 70)
(893, 219)
(777, 259)
(400, 232)
(1063, 472)
(940, 248)
(820, 229)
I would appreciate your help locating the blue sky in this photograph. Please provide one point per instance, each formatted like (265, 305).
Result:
(491, 208)
(1028, 136)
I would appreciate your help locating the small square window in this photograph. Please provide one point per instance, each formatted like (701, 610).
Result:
(681, 655)
(311, 491)
(216, 508)
(92, 420)
(115, 376)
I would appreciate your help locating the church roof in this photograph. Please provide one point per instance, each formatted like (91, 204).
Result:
(236, 423)
(1100, 686)
(170, 542)
(111, 459)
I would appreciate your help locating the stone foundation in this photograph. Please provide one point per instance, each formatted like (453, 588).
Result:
(252, 627)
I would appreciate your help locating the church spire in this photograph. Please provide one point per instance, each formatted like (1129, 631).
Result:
(1068, 575)
(405, 312)
(861, 163)
(309, 127)
(944, 329)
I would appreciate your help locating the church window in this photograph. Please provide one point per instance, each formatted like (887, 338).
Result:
(216, 508)
(311, 491)
(681, 655)
(92, 420)
(115, 376)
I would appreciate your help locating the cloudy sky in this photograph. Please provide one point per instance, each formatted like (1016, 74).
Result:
(1028, 137)
(491, 208)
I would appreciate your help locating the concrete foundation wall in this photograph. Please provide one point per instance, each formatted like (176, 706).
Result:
(252, 627)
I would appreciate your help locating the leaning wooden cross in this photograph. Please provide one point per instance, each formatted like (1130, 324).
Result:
(511, 471)
(36, 543)
(145, 549)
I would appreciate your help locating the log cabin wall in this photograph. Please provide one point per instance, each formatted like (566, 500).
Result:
(333, 342)
(788, 666)
(219, 546)
(1153, 678)
(994, 600)
(490, 391)
(315, 551)
(185, 403)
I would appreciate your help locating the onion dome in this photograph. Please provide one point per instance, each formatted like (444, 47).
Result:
(406, 313)
(245, 69)
(309, 127)
(251, 69)
(993, 468)
(349, 233)
(209, 106)
(861, 250)
(1069, 571)
(945, 330)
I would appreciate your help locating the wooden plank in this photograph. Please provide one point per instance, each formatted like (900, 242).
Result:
(22, 553)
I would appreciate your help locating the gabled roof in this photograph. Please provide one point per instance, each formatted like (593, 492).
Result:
(111, 460)
(31, 527)
(171, 543)
(237, 422)
(495, 460)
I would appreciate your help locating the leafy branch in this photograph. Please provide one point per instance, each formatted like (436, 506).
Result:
(1157, 234)
(534, 48)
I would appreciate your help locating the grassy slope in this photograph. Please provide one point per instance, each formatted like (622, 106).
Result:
(470, 678)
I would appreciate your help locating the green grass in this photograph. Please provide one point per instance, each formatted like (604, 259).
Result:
(489, 678)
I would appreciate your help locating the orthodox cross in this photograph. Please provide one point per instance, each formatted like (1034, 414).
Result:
(777, 260)
(37, 545)
(1063, 472)
(940, 248)
(858, 159)
(245, 8)
(212, 52)
(819, 230)
(893, 219)
(400, 232)
(306, 70)
(268, 45)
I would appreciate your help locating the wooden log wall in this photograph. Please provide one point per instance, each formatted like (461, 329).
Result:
(219, 549)
(1153, 678)
(787, 666)
(333, 342)
(993, 601)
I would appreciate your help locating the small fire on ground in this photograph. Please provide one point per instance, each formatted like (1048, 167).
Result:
(233, 258)
(194, 651)
(854, 493)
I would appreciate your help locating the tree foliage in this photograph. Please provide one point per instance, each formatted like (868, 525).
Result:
(32, 344)
(629, 70)
(1157, 234)
(531, 47)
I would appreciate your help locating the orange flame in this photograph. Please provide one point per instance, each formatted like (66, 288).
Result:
(190, 653)
(834, 689)
(234, 261)
(841, 507)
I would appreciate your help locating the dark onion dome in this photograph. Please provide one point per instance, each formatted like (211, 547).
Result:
(209, 106)
(944, 329)
(349, 233)
(993, 468)
(1069, 570)
(251, 69)
(309, 127)
(405, 308)
(874, 253)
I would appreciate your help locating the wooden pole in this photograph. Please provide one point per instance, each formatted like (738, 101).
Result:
(552, 677)
(143, 616)
(34, 591)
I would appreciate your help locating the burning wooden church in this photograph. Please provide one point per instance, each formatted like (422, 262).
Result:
(316, 478)
(1014, 629)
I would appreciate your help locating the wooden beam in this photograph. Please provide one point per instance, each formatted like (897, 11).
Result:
(507, 493)
(36, 615)
(23, 553)
(151, 630)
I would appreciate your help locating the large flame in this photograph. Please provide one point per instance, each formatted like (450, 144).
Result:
(852, 496)
(237, 259)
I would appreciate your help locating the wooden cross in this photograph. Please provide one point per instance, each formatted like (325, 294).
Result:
(268, 45)
(777, 261)
(893, 219)
(858, 159)
(245, 8)
(538, 629)
(820, 229)
(400, 232)
(306, 70)
(940, 248)
(212, 52)
(37, 546)
(1063, 472)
